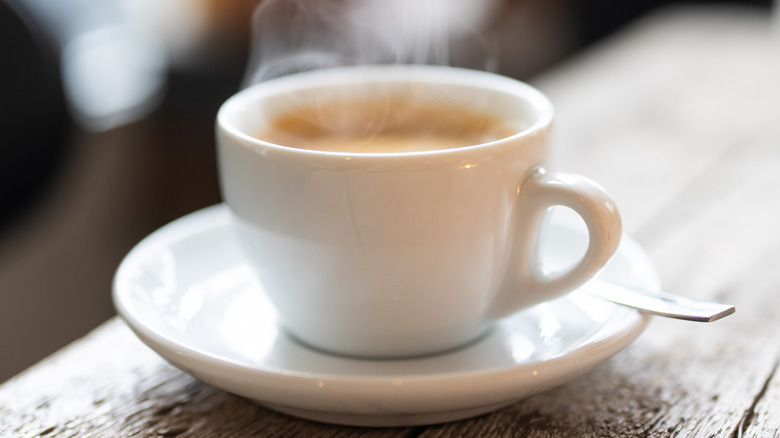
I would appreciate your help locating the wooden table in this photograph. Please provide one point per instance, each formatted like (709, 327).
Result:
(679, 117)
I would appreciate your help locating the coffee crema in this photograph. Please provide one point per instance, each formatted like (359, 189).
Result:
(383, 125)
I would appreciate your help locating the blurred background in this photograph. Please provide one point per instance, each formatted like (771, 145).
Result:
(107, 114)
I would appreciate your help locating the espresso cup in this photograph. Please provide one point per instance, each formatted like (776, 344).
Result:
(385, 253)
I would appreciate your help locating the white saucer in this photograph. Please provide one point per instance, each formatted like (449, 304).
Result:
(187, 293)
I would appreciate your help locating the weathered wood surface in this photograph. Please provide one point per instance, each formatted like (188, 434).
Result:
(679, 117)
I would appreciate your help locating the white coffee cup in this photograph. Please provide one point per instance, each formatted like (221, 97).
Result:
(402, 254)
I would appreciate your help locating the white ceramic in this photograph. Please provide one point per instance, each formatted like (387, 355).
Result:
(401, 254)
(188, 293)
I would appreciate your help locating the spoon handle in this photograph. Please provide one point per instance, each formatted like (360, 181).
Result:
(659, 303)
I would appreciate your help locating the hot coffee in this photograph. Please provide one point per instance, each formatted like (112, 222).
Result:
(383, 125)
(399, 254)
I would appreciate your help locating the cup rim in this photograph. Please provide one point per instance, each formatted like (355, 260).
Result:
(440, 75)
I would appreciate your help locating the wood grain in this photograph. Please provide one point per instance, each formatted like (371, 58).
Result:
(679, 118)
(109, 384)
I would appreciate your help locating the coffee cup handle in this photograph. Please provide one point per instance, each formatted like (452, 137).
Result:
(525, 284)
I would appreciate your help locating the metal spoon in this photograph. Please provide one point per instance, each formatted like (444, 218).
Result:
(659, 303)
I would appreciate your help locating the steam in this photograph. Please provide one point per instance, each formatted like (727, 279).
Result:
(298, 35)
